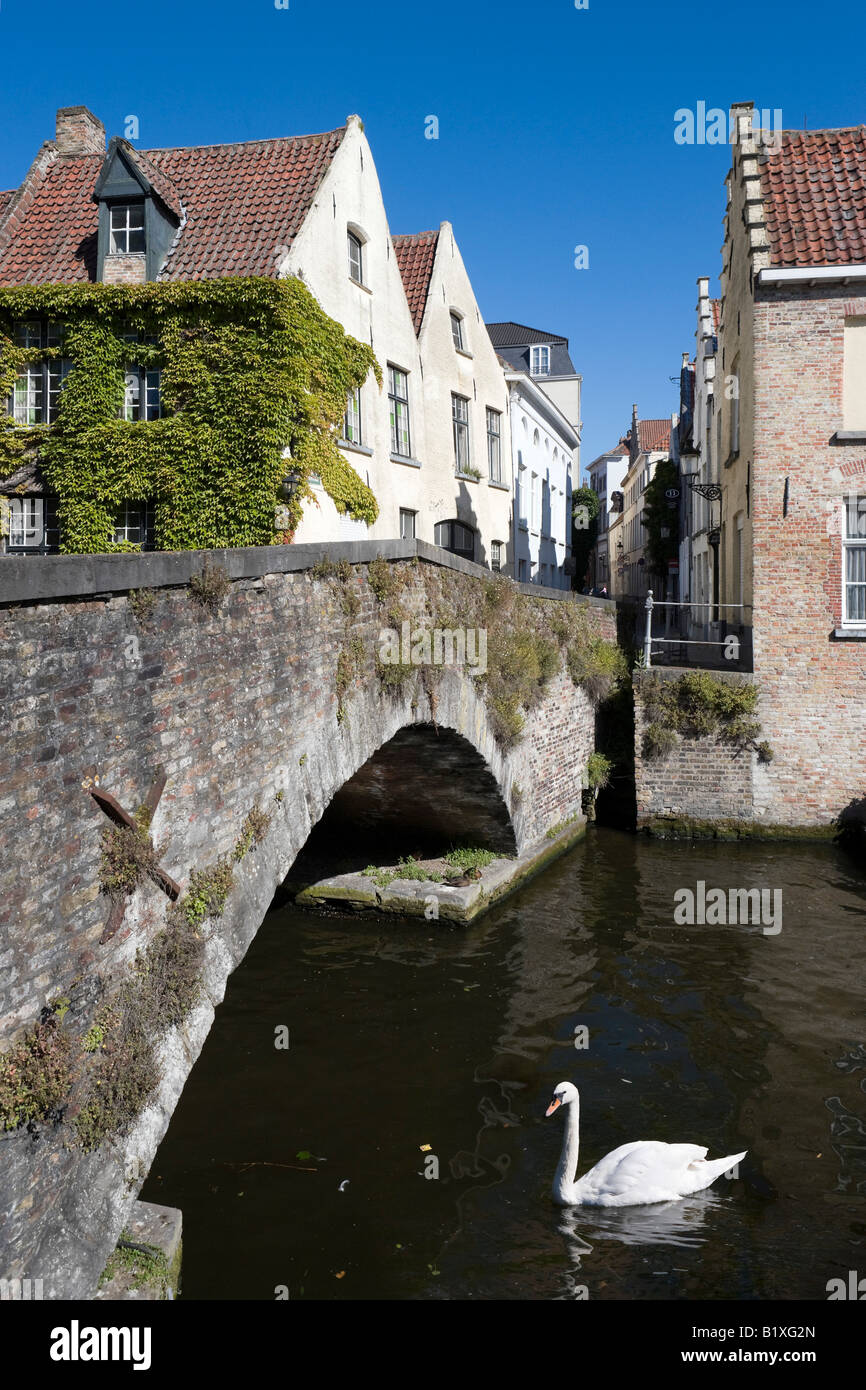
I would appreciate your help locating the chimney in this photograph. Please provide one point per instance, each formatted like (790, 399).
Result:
(79, 131)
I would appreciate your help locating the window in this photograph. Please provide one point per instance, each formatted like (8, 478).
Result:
(460, 421)
(141, 387)
(407, 524)
(854, 571)
(494, 447)
(521, 491)
(496, 556)
(36, 393)
(535, 503)
(352, 422)
(521, 571)
(398, 398)
(127, 229)
(133, 522)
(454, 536)
(356, 258)
(33, 524)
(457, 332)
(540, 361)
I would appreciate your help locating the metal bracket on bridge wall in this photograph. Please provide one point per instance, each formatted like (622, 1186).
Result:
(115, 812)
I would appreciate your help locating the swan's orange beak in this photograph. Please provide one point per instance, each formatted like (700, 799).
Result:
(554, 1105)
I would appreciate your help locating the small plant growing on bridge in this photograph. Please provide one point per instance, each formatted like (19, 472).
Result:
(253, 831)
(383, 579)
(206, 895)
(36, 1072)
(142, 602)
(349, 661)
(210, 587)
(128, 856)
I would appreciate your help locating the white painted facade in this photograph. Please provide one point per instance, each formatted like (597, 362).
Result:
(544, 452)
(696, 555)
(606, 475)
(420, 490)
(474, 375)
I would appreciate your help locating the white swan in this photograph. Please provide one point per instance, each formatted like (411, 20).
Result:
(634, 1174)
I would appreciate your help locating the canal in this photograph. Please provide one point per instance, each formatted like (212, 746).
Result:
(412, 1048)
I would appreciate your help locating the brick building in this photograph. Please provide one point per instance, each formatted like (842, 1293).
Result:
(791, 445)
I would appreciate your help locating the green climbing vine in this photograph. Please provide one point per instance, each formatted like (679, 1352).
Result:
(248, 367)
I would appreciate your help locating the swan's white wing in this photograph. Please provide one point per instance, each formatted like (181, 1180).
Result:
(645, 1171)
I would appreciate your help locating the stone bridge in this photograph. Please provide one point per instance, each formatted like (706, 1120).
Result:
(249, 681)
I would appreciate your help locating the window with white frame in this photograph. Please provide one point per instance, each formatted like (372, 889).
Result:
(540, 361)
(36, 391)
(407, 524)
(398, 401)
(521, 491)
(142, 398)
(356, 258)
(32, 524)
(127, 229)
(494, 444)
(496, 556)
(457, 332)
(133, 523)
(854, 562)
(535, 502)
(460, 422)
(352, 422)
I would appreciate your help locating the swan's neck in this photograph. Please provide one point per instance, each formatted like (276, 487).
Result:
(566, 1173)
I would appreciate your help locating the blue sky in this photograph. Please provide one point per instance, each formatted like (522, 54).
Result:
(555, 130)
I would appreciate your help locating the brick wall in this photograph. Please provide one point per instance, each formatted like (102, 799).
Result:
(813, 685)
(237, 707)
(701, 780)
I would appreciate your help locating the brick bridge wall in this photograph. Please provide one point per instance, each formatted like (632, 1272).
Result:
(239, 707)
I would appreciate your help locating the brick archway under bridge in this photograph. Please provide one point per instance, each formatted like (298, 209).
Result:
(239, 707)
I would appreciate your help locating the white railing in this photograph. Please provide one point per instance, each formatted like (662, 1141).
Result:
(707, 605)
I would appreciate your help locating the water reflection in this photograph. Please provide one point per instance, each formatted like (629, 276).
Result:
(406, 1035)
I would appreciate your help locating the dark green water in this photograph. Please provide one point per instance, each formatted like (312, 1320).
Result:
(403, 1035)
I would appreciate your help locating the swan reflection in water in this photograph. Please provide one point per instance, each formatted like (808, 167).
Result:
(681, 1224)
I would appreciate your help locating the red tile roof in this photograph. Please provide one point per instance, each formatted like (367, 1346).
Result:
(814, 191)
(653, 435)
(415, 257)
(244, 204)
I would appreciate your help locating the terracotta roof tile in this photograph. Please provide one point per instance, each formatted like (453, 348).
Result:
(814, 190)
(244, 204)
(716, 310)
(654, 435)
(415, 257)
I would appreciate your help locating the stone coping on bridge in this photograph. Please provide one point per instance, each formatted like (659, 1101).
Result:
(45, 578)
(405, 897)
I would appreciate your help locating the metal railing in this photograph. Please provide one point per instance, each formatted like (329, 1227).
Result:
(708, 605)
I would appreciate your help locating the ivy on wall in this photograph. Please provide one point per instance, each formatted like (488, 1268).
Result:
(248, 367)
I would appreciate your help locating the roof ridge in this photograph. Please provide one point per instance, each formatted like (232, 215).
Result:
(237, 144)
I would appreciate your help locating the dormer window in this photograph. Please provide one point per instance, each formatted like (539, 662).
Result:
(127, 229)
(540, 361)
